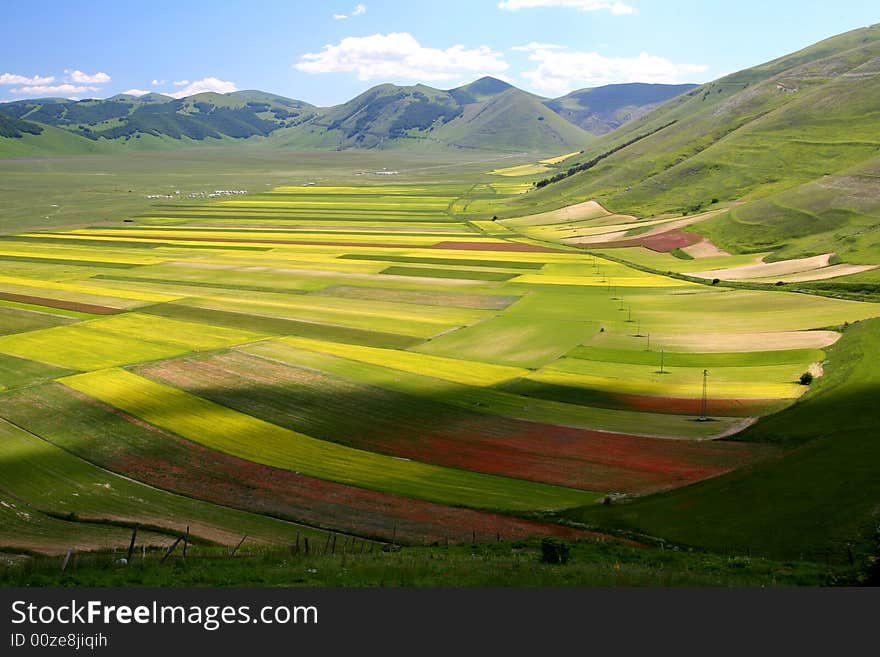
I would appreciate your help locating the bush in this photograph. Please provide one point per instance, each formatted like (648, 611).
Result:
(554, 550)
(806, 378)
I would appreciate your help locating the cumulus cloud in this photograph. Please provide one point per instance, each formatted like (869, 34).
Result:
(617, 8)
(12, 78)
(560, 72)
(180, 83)
(63, 90)
(399, 55)
(201, 86)
(137, 92)
(359, 10)
(535, 45)
(84, 78)
(157, 83)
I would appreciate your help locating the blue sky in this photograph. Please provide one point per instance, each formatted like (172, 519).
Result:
(325, 52)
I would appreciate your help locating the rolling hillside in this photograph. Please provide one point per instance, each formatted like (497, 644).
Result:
(487, 114)
(603, 109)
(208, 115)
(792, 145)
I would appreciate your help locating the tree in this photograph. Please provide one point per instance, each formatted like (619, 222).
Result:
(554, 550)
(806, 378)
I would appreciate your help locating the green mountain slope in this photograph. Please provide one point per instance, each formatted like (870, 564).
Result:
(239, 115)
(819, 499)
(807, 119)
(513, 120)
(487, 114)
(603, 109)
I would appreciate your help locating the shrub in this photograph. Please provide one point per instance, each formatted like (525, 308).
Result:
(554, 550)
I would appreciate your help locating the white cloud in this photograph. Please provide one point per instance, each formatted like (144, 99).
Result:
(201, 86)
(84, 78)
(137, 92)
(12, 78)
(180, 83)
(399, 55)
(617, 8)
(535, 45)
(157, 83)
(561, 72)
(359, 10)
(63, 90)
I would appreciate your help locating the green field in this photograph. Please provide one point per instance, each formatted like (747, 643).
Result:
(369, 359)
(261, 442)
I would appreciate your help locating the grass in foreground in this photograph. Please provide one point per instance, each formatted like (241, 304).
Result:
(493, 564)
(820, 500)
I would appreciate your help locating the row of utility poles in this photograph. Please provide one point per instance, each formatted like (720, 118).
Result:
(704, 400)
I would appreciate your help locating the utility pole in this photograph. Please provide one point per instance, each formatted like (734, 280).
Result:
(661, 361)
(704, 401)
(649, 343)
(630, 316)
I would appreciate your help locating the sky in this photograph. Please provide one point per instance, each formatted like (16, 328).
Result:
(326, 52)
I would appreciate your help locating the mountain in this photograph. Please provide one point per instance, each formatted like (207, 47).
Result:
(16, 128)
(793, 145)
(487, 114)
(239, 115)
(603, 109)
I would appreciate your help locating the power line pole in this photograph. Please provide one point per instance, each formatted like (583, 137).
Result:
(704, 401)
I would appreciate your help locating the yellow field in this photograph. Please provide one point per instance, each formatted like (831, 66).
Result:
(644, 280)
(378, 190)
(449, 369)
(85, 288)
(660, 388)
(510, 187)
(224, 429)
(119, 340)
(520, 170)
(559, 158)
(492, 227)
(87, 254)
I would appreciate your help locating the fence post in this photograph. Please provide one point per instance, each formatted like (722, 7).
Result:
(134, 534)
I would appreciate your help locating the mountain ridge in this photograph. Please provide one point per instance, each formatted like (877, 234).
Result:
(486, 114)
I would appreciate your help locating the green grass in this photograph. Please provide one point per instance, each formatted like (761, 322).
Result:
(436, 346)
(761, 381)
(429, 272)
(126, 338)
(53, 481)
(16, 372)
(462, 262)
(712, 359)
(235, 433)
(506, 563)
(488, 400)
(818, 500)
(512, 340)
(19, 320)
(281, 326)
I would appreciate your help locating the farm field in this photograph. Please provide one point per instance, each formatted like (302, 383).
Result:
(369, 359)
